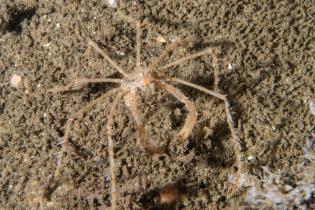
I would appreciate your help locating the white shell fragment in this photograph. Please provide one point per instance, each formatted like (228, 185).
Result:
(16, 81)
(312, 107)
(112, 3)
(161, 39)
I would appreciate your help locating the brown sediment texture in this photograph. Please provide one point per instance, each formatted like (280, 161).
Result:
(267, 72)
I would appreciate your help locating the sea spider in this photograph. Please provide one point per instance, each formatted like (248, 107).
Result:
(144, 78)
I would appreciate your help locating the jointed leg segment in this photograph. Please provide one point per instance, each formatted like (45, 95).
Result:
(235, 140)
(138, 35)
(143, 141)
(138, 27)
(186, 58)
(80, 83)
(102, 52)
(69, 122)
(211, 51)
(191, 118)
(114, 192)
(164, 53)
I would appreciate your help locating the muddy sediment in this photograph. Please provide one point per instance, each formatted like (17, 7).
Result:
(266, 71)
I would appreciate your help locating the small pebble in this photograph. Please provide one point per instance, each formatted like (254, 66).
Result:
(169, 194)
(160, 39)
(16, 81)
(312, 107)
(112, 3)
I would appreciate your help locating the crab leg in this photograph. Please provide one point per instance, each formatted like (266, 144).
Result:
(165, 53)
(235, 139)
(113, 111)
(211, 51)
(70, 121)
(138, 35)
(192, 111)
(143, 141)
(138, 28)
(188, 57)
(104, 54)
(80, 83)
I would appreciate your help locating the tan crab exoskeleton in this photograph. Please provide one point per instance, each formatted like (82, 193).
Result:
(143, 79)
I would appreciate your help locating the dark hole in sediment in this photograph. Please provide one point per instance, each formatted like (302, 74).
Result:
(17, 17)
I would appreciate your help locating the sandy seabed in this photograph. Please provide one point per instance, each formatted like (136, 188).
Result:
(266, 71)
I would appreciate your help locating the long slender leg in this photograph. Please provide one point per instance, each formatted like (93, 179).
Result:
(215, 94)
(139, 32)
(138, 36)
(211, 51)
(143, 141)
(215, 65)
(80, 83)
(186, 58)
(104, 54)
(166, 51)
(69, 122)
(235, 139)
(192, 111)
(113, 190)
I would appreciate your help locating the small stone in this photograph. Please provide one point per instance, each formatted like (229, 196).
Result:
(16, 81)
(160, 39)
(112, 3)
